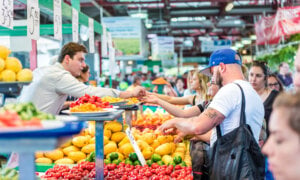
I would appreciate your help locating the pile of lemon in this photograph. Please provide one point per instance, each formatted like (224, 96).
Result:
(11, 68)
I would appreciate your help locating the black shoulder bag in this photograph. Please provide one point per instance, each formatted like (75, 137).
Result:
(237, 155)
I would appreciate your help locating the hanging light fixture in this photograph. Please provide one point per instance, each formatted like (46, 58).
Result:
(229, 6)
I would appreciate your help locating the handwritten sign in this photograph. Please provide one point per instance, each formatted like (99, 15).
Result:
(91, 36)
(156, 69)
(128, 70)
(144, 69)
(6, 13)
(33, 19)
(75, 25)
(135, 147)
(57, 19)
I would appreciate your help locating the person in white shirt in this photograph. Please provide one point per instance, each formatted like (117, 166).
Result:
(52, 84)
(225, 65)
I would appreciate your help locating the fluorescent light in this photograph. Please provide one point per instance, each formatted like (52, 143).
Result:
(229, 6)
(253, 37)
(130, 62)
(246, 41)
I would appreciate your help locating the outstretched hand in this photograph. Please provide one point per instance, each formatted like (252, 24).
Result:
(150, 99)
(139, 92)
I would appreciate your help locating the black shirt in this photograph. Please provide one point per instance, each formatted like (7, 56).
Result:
(268, 103)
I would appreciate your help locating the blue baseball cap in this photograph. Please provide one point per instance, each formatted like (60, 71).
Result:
(226, 56)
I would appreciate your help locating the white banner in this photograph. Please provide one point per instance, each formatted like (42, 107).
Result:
(91, 35)
(57, 19)
(75, 25)
(6, 13)
(33, 19)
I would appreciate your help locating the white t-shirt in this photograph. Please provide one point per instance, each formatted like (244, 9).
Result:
(228, 101)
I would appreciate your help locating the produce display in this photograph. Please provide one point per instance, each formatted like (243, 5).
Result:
(128, 101)
(11, 68)
(86, 170)
(89, 103)
(150, 119)
(22, 115)
(9, 174)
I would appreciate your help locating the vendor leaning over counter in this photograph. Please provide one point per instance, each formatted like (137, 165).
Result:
(52, 84)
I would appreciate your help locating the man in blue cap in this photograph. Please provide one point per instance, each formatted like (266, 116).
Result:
(225, 69)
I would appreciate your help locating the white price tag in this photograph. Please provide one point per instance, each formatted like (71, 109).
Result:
(33, 19)
(75, 25)
(156, 69)
(112, 60)
(91, 36)
(128, 69)
(104, 42)
(109, 40)
(144, 69)
(6, 13)
(57, 19)
(135, 147)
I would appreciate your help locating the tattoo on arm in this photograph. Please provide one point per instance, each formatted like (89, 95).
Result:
(214, 116)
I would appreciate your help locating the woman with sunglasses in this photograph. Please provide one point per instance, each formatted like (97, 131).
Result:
(274, 82)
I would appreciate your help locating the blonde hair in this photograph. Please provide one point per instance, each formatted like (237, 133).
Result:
(189, 77)
(203, 80)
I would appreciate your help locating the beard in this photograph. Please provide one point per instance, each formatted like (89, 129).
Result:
(219, 79)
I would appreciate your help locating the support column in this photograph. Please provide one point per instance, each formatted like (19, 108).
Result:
(33, 55)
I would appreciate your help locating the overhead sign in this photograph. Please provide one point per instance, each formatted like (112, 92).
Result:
(156, 69)
(128, 70)
(74, 25)
(6, 13)
(210, 46)
(33, 19)
(91, 36)
(128, 36)
(144, 69)
(162, 48)
(57, 19)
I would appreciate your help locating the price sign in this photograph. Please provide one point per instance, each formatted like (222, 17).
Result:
(156, 69)
(75, 25)
(91, 36)
(33, 19)
(104, 42)
(144, 69)
(135, 147)
(57, 20)
(128, 70)
(112, 59)
(6, 13)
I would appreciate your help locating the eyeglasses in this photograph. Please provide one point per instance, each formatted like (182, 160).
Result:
(274, 84)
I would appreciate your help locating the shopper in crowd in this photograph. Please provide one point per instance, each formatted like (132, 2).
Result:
(199, 144)
(199, 85)
(297, 71)
(285, 75)
(136, 83)
(52, 84)
(189, 90)
(225, 108)
(283, 145)
(275, 83)
(179, 86)
(258, 78)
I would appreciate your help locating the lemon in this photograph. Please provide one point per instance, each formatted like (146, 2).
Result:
(2, 64)
(80, 141)
(8, 75)
(54, 155)
(64, 161)
(43, 160)
(13, 64)
(24, 75)
(76, 156)
(88, 148)
(69, 149)
(4, 52)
